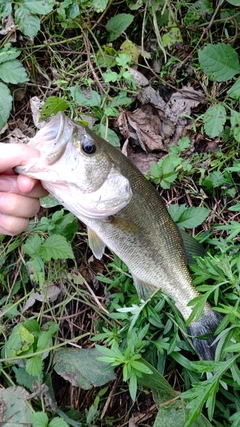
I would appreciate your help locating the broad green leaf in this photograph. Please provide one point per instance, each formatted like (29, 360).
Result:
(34, 365)
(5, 9)
(5, 104)
(99, 5)
(234, 2)
(81, 367)
(27, 23)
(235, 121)
(8, 53)
(38, 6)
(172, 37)
(214, 180)
(20, 340)
(123, 60)
(193, 217)
(118, 24)
(32, 245)
(56, 247)
(52, 106)
(16, 408)
(39, 419)
(234, 91)
(176, 211)
(23, 378)
(130, 49)
(219, 62)
(13, 72)
(110, 135)
(111, 76)
(58, 422)
(94, 99)
(174, 415)
(214, 119)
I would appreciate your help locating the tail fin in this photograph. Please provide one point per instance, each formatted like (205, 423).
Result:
(202, 333)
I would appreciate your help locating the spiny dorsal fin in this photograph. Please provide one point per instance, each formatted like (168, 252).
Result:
(96, 244)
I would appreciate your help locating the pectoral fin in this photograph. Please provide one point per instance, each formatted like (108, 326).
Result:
(96, 244)
(191, 247)
(144, 289)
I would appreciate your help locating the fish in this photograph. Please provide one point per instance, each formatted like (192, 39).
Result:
(123, 211)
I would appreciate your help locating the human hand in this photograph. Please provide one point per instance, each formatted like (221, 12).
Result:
(18, 194)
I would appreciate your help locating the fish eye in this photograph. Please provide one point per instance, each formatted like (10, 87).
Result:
(88, 146)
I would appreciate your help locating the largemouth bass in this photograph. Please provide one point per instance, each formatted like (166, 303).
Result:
(122, 210)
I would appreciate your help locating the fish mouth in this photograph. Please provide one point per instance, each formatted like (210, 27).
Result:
(51, 141)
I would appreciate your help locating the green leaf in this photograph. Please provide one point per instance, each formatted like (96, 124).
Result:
(139, 366)
(58, 422)
(39, 419)
(19, 341)
(157, 382)
(111, 136)
(123, 60)
(56, 247)
(23, 378)
(5, 9)
(27, 23)
(15, 403)
(219, 62)
(52, 106)
(81, 367)
(118, 24)
(176, 211)
(172, 37)
(235, 124)
(32, 245)
(35, 267)
(111, 76)
(192, 217)
(99, 5)
(45, 336)
(234, 91)
(234, 2)
(13, 72)
(94, 99)
(38, 6)
(214, 119)
(5, 104)
(34, 365)
(8, 53)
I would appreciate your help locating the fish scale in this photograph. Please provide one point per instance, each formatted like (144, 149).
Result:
(122, 210)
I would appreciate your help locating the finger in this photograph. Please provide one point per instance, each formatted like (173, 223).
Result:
(18, 205)
(31, 186)
(11, 225)
(20, 185)
(12, 155)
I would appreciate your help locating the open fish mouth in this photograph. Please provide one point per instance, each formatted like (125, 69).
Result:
(51, 141)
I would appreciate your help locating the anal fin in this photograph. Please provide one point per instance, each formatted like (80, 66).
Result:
(145, 290)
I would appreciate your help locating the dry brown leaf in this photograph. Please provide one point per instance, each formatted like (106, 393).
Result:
(147, 126)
